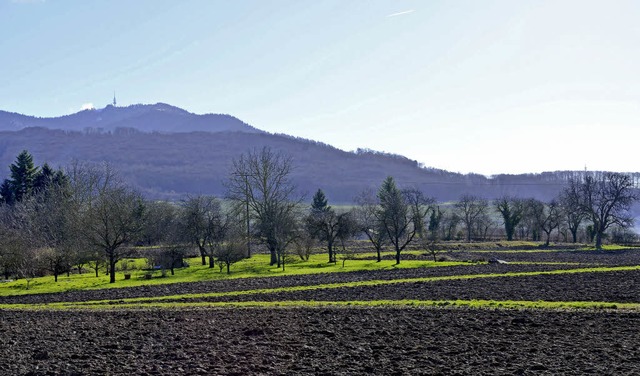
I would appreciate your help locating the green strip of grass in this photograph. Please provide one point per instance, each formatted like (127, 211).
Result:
(256, 266)
(158, 299)
(477, 304)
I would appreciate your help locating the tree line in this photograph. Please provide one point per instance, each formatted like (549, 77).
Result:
(84, 216)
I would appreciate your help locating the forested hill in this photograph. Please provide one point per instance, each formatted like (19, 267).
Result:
(166, 158)
(170, 166)
(157, 117)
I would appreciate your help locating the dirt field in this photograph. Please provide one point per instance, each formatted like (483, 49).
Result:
(343, 341)
(320, 341)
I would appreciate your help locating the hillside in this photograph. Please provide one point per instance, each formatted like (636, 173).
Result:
(157, 117)
(172, 153)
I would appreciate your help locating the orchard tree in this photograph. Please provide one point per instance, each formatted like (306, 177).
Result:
(606, 200)
(369, 220)
(472, 211)
(397, 216)
(551, 219)
(53, 217)
(260, 180)
(199, 221)
(327, 225)
(114, 216)
(572, 211)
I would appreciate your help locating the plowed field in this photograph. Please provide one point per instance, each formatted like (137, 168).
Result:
(339, 340)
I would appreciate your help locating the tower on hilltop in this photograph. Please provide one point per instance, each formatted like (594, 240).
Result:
(114, 99)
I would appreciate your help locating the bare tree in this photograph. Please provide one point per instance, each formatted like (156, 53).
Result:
(326, 224)
(606, 200)
(471, 209)
(203, 224)
(552, 215)
(114, 214)
(368, 220)
(160, 218)
(52, 214)
(304, 244)
(232, 250)
(13, 239)
(260, 181)
(574, 216)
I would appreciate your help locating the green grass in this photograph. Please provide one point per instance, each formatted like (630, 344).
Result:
(256, 266)
(153, 301)
(476, 304)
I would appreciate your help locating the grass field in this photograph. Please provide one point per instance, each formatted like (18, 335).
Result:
(256, 266)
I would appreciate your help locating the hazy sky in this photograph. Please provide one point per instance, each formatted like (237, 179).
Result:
(467, 86)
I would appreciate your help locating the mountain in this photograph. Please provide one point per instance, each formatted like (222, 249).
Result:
(157, 117)
(169, 153)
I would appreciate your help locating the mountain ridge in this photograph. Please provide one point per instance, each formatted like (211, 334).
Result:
(158, 117)
(169, 153)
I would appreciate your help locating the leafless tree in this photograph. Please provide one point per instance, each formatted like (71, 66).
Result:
(53, 217)
(260, 180)
(368, 220)
(471, 209)
(606, 200)
(203, 224)
(13, 239)
(113, 216)
(327, 224)
(304, 244)
(551, 218)
(232, 250)
(574, 216)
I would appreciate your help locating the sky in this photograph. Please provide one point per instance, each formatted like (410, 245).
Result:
(467, 86)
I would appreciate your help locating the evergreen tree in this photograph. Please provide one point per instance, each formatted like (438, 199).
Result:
(6, 192)
(320, 202)
(43, 178)
(396, 216)
(23, 175)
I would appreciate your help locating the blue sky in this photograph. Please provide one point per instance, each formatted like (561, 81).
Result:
(468, 86)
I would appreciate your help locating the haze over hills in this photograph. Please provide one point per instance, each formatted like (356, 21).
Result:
(169, 153)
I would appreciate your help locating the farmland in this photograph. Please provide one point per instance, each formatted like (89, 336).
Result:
(551, 311)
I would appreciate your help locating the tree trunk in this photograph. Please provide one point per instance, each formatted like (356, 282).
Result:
(228, 268)
(510, 230)
(332, 257)
(212, 262)
(274, 257)
(397, 256)
(112, 269)
(379, 255)
(55, 277)
(598, 240)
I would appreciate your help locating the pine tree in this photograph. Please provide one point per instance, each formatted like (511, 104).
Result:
(23, 174)
(6, 192)
(320, 202)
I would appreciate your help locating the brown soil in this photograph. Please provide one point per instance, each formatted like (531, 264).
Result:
(343, 341)
(336, 341)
